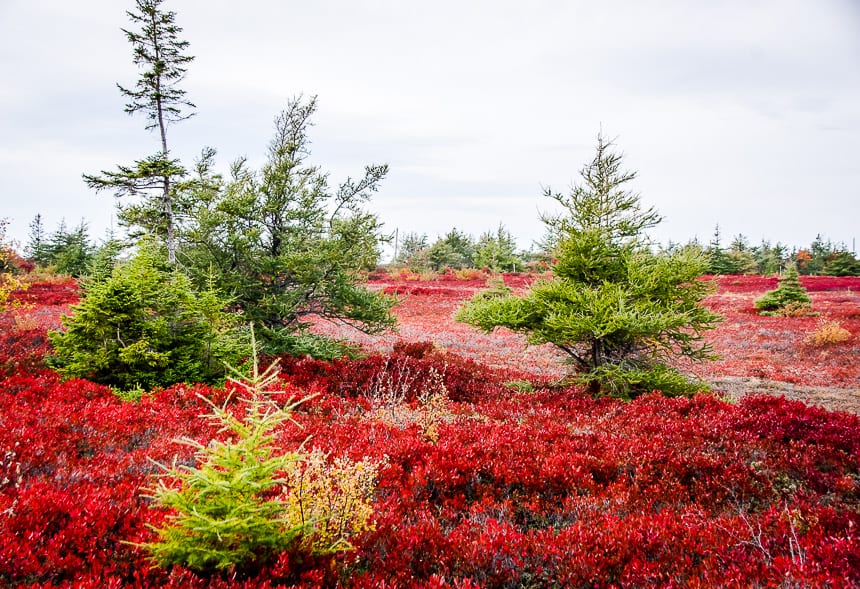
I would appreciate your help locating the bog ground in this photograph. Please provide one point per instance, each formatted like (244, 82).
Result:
(490, 473)
(758, 354)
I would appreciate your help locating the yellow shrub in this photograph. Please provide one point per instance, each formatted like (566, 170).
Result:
(794, 310)
(470, 274)
(393, 387)
(330, 500)
(828, 332)
(8, 285)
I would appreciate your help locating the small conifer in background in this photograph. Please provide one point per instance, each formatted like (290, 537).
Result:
(789, 298)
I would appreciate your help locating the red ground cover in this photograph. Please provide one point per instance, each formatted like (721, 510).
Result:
(775, 347)
(749, 345)
(542, 488)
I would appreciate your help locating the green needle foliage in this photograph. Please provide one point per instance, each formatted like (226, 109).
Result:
(143, 325)
(619, 311)
(789, 297)
(283, 242)
(246, 500)
(227, 514)
(161, 54)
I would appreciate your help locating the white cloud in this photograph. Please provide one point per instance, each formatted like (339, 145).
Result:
(742, 113)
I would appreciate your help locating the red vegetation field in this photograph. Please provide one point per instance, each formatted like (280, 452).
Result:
(750, 346)
(506, 485)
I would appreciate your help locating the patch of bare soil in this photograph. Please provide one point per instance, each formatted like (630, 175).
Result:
(830, 398)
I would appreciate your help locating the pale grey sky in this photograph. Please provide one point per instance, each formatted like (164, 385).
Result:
(744, 113)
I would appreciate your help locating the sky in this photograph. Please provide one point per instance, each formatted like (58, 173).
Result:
(742, 113)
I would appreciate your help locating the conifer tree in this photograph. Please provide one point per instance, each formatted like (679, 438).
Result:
(842, 263)
(413, 250)
(160, 53)
(37, 244)
(789, 297)
(497, 251)
(142, 324)
(246, 500)
(285, 244)
(619, 311)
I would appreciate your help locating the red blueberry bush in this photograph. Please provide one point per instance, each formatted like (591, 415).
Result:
(519, 488)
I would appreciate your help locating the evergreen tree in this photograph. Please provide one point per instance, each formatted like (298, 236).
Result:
(37, 243)
(789, 297)
(146, 326)
(770, 259)
(70, 251)
(719, 262)
(497, 251)
(441, 255)
(103, 261)
(413, 251)
(158, 50)
(842, 263)
(282, 242)
(619, 311)
(817, 256)
(454, 250)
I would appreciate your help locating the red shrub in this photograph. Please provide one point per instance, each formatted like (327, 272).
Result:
(49, 293)
(545, 488)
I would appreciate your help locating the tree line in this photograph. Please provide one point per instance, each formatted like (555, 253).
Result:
(71, 250)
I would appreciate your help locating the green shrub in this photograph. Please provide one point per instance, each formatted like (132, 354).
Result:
(789, 298)
(305, 343)
(245, 501)
(145, 326)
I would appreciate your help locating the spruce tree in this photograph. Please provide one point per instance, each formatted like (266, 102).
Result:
(497, 251)
(283, 242)
(413, 251)
(619, 311)
(37, 243)
(788, 298)
(144, 325)
(160, 53)
(842, 263)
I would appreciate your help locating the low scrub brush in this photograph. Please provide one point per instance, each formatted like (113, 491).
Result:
(828, 332)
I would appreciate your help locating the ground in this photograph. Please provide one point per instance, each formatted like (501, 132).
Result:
(757, 354)
(487, 473)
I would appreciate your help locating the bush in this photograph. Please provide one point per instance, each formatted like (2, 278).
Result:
(305, 343)
(246, 502)
(788, 299)
(8, 281)
(828, 332)
(145, 326)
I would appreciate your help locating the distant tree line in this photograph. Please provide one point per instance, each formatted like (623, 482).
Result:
(497, 251)
(739, 257)
(493, 250)
(71, 250)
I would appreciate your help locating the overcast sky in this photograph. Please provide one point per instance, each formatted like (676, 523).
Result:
(744, 113)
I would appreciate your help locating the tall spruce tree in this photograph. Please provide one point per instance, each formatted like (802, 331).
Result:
(160, 53)
(621, 312)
